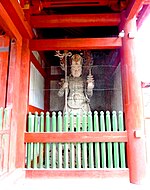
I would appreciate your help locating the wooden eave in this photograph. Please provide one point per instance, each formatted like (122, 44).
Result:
(8, 25)
(16, 14)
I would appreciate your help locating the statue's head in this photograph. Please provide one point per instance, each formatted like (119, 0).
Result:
(76, 65)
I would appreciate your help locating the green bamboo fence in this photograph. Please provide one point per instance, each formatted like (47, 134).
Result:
(79, 155)
(5, 121)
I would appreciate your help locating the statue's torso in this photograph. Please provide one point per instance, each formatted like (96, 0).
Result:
(76, 97)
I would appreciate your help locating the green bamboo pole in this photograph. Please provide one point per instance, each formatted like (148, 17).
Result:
(59, 144)
(41, 144)
(84, 145)
(54, 144)
(35, 145)
(122, 144)
(29, 144)
(97, 148)
(72, 152)
(115, 144)
(109, 144)
(103, 144)
(1, 118)
(47, 146)
(78, 145)
(90, 128)
(66, 144)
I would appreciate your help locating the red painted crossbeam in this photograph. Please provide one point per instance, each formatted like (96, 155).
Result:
(77, 3)
(61, 137)
(75, 44)
(75, 20)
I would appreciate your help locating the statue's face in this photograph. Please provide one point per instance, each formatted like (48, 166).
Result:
(76, 70)
(76, 66)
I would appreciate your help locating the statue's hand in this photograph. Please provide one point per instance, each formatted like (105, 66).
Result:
(65, 85)
(90, 82)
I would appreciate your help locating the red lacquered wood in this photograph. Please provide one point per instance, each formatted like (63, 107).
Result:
(96, 173)
(79, 3)
(23, 102)
(16, 14)
(133, 107)
(77, 137)
(4, 46)
(13, 92)
(74, 20)
(134, 8)
(34, 109)
(75, 44)
(7, 24)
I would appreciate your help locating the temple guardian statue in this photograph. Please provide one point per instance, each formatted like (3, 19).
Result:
(76, 89)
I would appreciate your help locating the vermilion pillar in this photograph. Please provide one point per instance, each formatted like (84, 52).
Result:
(12, 100)
(4, 54)
(23, 102)
(133, 107)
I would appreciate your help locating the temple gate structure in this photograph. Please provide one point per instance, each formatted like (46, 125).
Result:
(32, 33)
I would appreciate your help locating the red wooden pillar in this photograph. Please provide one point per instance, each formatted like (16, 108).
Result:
(13, 97)
(4, 54)
(23, 103)
(133, 107)
(47, 89)
(17, 99)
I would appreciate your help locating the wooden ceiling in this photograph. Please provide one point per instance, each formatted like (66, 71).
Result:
(68, 23)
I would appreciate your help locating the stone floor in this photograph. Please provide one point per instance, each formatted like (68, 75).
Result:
(72, 183)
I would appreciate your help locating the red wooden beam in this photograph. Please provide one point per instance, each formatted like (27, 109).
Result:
(7, 24)
(16, 14)
(75, 20)
(34, 109)
(75, 44)
(72, 3)
(134, 8)
(68, 173)
(76, 137)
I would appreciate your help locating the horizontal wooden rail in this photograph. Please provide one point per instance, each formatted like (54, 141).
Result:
(56, 137)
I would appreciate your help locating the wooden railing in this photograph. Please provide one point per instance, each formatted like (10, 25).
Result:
(91, 142)
(5, 119)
